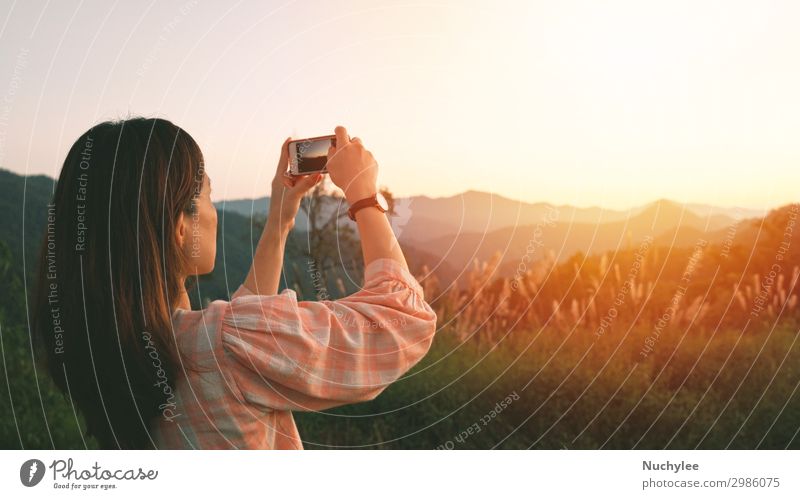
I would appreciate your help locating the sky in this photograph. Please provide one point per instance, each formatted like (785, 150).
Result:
(613, 103)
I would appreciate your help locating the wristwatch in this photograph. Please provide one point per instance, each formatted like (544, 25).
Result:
(377, 200)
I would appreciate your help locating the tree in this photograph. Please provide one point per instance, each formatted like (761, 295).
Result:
(332, 241)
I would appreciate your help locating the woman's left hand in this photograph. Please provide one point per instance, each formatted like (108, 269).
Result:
(288, 191)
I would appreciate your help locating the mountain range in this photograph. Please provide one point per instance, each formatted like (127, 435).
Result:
(475, 224)
(421, 218)
(446, 233)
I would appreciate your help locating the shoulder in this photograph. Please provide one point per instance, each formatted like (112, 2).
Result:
(197, 334)
(248, 310)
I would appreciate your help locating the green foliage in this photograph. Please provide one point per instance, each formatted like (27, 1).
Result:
(23, 202)
(35, 413)
(699, 391)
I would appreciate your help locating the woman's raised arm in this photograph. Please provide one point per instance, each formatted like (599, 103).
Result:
(284, 202)
(354, 170)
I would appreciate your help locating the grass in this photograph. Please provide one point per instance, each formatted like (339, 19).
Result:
(704, 391)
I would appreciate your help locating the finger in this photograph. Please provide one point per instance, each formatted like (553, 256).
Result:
(342, 139)
(314, 179)
(306, 182)
(356, 139)
(288, 181)
(284, 158)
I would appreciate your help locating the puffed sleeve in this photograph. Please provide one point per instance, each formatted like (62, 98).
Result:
(285, 354)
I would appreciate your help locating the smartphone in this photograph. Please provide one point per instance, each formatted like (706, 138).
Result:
(307, 156)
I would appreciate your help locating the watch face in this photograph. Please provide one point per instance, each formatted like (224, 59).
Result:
(382, 201)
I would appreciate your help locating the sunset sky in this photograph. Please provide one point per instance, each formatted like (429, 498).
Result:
(613, 103)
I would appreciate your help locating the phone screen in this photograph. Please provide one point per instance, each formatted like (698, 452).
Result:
(312, 155)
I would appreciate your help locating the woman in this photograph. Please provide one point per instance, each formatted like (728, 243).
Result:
(131, 220)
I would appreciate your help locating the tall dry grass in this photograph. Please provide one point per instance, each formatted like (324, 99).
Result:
(675, 289)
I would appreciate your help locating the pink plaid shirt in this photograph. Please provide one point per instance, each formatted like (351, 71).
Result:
(249, 362)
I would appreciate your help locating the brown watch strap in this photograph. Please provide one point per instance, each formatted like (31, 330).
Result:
(363, 203)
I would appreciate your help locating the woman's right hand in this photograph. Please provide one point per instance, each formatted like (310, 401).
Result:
(351, 167)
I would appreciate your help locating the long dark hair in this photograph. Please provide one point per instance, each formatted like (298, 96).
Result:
(109, 274)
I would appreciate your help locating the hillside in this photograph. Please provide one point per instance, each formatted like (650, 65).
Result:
(444, 234)
(237, 235)
(421, 218)
(23, 202)
(668, 223)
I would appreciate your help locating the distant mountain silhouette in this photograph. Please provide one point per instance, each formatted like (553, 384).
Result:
(428, 218)
(258, 208)
(445, 233)
(668, 223)
(247, 207)
(736, 213)
(22, 231)
(664, 214)
(476, 211)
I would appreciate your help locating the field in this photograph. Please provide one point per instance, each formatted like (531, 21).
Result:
(708, 392)
(647, 346)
